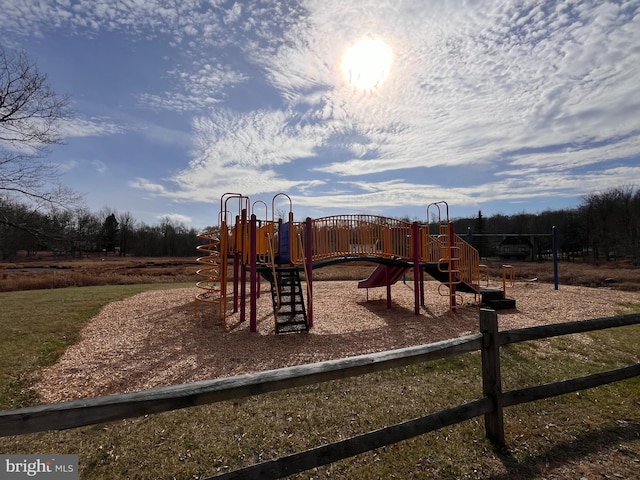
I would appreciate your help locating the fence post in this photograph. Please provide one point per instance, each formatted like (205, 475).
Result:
(491, 379)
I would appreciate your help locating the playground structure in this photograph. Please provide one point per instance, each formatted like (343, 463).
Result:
(280, 250)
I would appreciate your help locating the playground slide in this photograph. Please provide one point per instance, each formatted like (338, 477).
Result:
(378, 277)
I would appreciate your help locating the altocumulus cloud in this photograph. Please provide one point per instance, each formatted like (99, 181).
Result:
(489, 101)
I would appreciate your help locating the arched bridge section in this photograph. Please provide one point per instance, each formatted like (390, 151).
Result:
(388, 241)
(352, 236)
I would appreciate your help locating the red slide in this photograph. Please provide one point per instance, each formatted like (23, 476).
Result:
(378, 277)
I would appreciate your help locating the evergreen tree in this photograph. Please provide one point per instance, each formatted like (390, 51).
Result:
(480, 242)
(110, 232)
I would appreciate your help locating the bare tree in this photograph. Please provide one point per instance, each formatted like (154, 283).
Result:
(30, 116)
(126, 231)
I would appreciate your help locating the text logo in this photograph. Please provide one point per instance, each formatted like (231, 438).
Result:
(50, 467)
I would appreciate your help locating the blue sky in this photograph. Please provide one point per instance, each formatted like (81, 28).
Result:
(499, 106)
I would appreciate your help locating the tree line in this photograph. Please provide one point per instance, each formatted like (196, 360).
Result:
(604, 226)
(77, 233)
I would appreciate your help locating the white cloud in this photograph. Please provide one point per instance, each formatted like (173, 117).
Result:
(147, 186)
(256, 139)
(175, 218)
(469, 88)
(197, 88)
(233, 15)
(535, 99)
(94, 127)
(67, 166)
(100, 166)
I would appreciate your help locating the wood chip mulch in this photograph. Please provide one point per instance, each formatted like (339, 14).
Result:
(153, 339)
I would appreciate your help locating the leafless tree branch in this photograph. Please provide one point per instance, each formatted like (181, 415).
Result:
(30, 114)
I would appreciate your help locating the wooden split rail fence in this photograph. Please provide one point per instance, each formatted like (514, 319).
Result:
(117, 407)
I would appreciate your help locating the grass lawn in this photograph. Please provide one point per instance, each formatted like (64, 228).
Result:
(37, 325)
(590, 434)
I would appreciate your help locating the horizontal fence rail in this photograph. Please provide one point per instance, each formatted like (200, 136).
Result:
(525, 395)
(78, 413)
(326, 454)
(568, 328)
(116, 407)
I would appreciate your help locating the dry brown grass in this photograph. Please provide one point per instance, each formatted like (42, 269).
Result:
(615, 275)
(44, 271)
(47, 272)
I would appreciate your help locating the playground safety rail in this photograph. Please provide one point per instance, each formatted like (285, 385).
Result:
(358, 236)
(469, 264)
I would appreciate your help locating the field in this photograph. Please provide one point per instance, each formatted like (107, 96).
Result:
(44, 271)
(152, 339)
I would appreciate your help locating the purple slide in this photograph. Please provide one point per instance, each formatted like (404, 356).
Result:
(378, 277)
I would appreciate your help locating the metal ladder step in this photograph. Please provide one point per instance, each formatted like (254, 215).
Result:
(290, 312)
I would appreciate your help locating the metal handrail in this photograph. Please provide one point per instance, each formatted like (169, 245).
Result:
(275, 277)
(304, 264)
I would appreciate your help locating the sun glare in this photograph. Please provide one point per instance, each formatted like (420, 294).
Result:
(366, 64)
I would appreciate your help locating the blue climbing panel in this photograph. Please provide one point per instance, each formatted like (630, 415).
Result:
(284, 247)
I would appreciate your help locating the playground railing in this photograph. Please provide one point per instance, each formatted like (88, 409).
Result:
(468, 264)
(352, 236)
(360, 236)
(264, 233)
(491, 405)
(431, 246)
(436, 249)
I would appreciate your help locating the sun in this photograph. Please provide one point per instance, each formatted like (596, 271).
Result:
(366, 63)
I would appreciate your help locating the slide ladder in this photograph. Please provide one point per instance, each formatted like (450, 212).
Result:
(288, 299)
